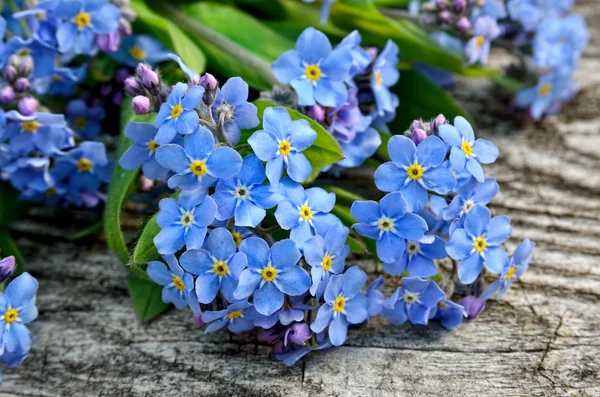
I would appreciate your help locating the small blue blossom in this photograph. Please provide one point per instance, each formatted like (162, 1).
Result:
(281, 142)
(466, 151)
(62, 82)
(84, 120)
(271, 273)
(552, 89)
(419, 258)
(198, 164)
(176, 283)
(450, 314)
(414, 300)
(315, 71)
(86, 166)
(385, 75)
(184, 221)
(360, 58)
(231, 105)
(81, 21)
(469, 195)
(326, 257)
(41, 132)
(528, 12)
(479, 243)
(293, 313)
(375, 298)
(493, 8)
(306, 212)
(244, 197)
(238, 318)
(363, 146)
(343, 304)
(389, 223)
(217, 267)
(140, 48)
(17, 308)
(143, 150)
(415, 169)
(178, 114)
(486, 30)
(559, 41)
(517, 265)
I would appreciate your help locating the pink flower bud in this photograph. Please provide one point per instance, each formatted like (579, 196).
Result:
(9, 73)
(7, 94)
(28, 106)
(7, 267)
(132, 87)
(22, 84)
(372, 51)
(418, 135)
(209, 82)
(140, 68)
(150, 78)
(109, 42)
(140, 105)
(463, 24)
(317, 113)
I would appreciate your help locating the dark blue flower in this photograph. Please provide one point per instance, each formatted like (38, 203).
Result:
(62, 82)
(315, 71)
(86, 121)
(143, 150)
(176, 283)
(343, 304)
(41, 132)
(450, 314)
(271, 273)
(86, 167)
(217, 267)
(414, 301)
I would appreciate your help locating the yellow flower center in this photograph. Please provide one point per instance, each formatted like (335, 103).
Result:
(313, 72)
(235, 314)
(176, 111)
(480, 41)
(82, 20)
(11, 315)
(385, 224)
(237, 238)
(339, 304)
(415, 172)
(326, 263)
(80, 123)
(511, 272)
(30, 126)
(441, 304)
(56, 78)
(220, 268)
(178, 282)
(198, 167)
(51, 191)
(137, 53)
(467, 148)
(305, 212)
(480, 244)
(23, 52)
(84, 165)
(153, 146)
(284, 147)
(545, 90)
(378, 79)
(269, 273)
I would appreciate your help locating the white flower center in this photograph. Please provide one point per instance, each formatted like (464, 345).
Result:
(187, 219)
(468, 206)
(410, 297)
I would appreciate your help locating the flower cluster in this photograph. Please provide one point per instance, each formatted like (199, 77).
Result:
(50, 157)
(17, 308)
(346, 89)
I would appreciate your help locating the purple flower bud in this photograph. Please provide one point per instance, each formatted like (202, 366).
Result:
(446, 16)
(459, 5)
(198, 321)
(109, 42)
(270, 335)
(210, 85)
(418, 135)
(140, 68)
(10, 73)
(463, 24)
(7, 94)
(441, 4)
(22, 84)
(317, 113)
(372, 51)
(28, 106)
(298, 333)
(438, 121)
(140, 105)
(132, 86)
(7, 267)
(473, 305)
(150, 78)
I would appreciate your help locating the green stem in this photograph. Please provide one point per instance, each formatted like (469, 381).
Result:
(243, 146)
(193, 28)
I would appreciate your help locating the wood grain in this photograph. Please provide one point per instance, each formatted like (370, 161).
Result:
(542, 340)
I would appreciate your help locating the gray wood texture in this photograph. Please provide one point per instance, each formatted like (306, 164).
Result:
(543, 339)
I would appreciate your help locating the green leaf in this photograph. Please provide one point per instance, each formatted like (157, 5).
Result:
(510, 84)
(421, 99)
(325, 151)
(8, 248)
(241, 28)
(170, 35)
(146, 297)
(11, 208)
(118, 190)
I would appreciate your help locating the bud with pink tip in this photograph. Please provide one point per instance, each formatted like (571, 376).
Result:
(22, 84)
(10, 73)
(418, 135)
(317, 113)
(140, 105)
(437, 122)
(210, 84)
(7, 267)
(7, 94)
(372, 51)
(28, 106)
(463, 24)
(141, 68)
(150, 78)
(109, 42)
(132, 86)
(446, 16)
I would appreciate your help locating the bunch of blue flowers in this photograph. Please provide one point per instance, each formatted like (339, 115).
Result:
(47, 149)
(246, 246)
(17, 308)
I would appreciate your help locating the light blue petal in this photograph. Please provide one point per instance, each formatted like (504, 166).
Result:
(302, 135)
(248, 282)
(390, 247)
(460, 245)
(224, 162)
(499, 230)
(267, 299)
(393, 205)
(172, 157)
(415, 195)
(440, 180)
(288, 67)
(465, 128)
(354, 279)
(450, 135)
(305, 91)
(486, 151)
(285, 254)
(313, 45)
(475, 169)
(477, 220)
(294, 281)
(257, 250)
(264, 144)
(169, 240)
(389, 177)
(199, 144)
(496, 259)
(21, 290)
(274, 170)
(249, 214)
(411, 227)
(470, 268)
(207, 287)
(324, 316)
(196, 261)
(402, 150)
(299, 168)
(431, 152)
(338, 330)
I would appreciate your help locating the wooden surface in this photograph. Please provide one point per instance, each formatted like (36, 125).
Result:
(542, 340)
